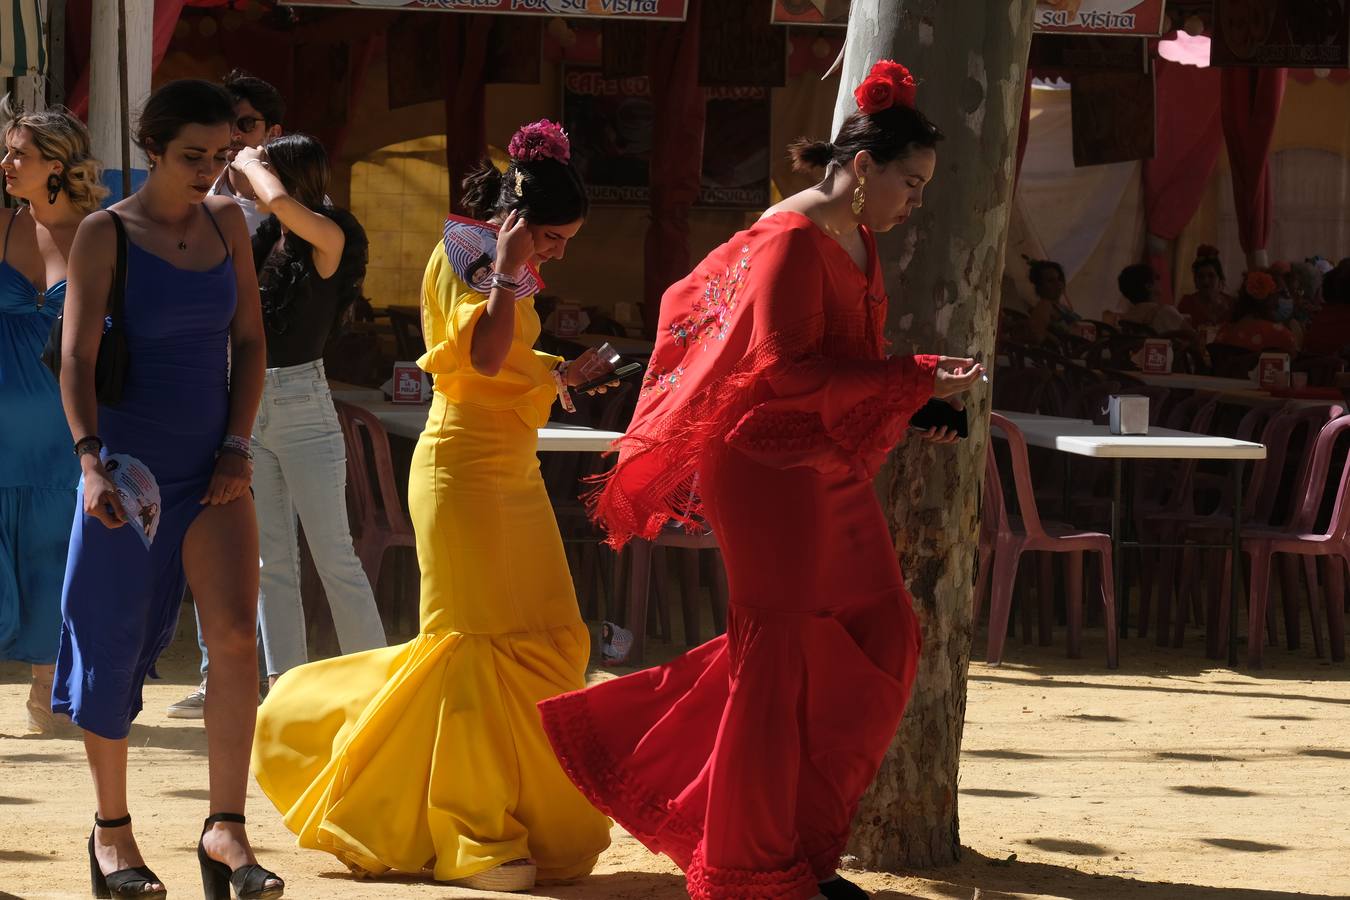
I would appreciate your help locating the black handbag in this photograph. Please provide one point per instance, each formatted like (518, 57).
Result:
(110, 368)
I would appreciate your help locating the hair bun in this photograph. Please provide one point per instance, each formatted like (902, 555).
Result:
(808, 155)
(540, 140)
(1206, 251)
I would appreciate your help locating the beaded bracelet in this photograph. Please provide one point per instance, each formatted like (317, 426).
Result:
(239, 446)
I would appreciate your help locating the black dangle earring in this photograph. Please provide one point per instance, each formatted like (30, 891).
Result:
(54, 184)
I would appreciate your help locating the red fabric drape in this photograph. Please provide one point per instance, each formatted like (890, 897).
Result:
(466, 40)
(677, 157)
(79, 17)
(1251, 105)
(1189, 135)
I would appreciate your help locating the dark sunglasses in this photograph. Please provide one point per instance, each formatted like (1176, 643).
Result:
(247, 123)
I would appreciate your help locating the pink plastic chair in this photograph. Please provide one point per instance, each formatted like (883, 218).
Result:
(1170, 525)
(1014, 536)
(646, 568)
(379, 521)
(1164, 488)
(1299, 539)
(1260, 511)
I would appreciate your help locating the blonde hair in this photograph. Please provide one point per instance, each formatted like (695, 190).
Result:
(61, 137)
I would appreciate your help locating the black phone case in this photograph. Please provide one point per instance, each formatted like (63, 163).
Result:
(612, 376)
(940, 414)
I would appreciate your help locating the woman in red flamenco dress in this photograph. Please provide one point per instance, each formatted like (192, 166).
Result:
(769, 405)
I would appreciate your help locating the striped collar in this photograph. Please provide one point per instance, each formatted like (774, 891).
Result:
(471, 247)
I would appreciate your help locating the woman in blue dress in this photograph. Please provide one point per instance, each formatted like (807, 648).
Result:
(48, 166)
(194, 336)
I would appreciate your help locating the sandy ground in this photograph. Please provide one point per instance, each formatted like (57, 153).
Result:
(1166, 780)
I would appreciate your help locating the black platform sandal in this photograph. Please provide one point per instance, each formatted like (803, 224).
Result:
(124, 883)
(840, 888)
(249, 882)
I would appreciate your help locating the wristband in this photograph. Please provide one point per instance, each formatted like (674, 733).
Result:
(90, 444)
(559, 374)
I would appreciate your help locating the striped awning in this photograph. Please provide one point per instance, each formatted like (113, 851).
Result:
(23, 48)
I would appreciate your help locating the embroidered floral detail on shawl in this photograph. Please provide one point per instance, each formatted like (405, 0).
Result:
(712, 312)
(799, 334)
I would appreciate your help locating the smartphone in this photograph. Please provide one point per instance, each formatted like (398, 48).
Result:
(623, 371)
(940, 414)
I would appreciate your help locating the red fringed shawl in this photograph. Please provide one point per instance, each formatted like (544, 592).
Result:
(773, 345)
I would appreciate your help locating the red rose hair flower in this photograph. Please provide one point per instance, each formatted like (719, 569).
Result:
(888, 84)
(1260, 285)
(540, 140)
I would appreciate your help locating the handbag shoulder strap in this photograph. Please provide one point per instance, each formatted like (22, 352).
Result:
(118, 294)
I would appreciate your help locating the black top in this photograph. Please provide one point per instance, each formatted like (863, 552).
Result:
(300, 309)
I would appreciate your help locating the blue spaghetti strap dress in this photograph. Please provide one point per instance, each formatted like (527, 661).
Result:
(37, 470)
(120, 601)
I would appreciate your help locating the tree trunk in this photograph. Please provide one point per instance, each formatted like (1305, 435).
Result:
(943, 271)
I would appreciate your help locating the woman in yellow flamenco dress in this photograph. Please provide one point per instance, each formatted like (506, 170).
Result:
(430, 757)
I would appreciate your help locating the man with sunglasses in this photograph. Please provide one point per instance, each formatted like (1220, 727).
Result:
(258, 109)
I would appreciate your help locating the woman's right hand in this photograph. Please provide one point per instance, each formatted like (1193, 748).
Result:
(100, 497)
(955, 375)
(515, 245)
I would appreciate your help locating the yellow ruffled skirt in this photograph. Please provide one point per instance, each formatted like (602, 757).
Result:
(430, 756)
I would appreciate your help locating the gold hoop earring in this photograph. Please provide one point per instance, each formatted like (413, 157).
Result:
(859, 197)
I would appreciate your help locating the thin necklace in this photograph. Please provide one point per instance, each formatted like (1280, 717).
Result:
(187, 220)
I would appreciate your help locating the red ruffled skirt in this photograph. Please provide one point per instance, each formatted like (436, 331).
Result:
(744, 759)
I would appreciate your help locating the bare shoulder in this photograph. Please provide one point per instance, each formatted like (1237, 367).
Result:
(95, 246)
(231, 220)
(96, 230)
(226, 211)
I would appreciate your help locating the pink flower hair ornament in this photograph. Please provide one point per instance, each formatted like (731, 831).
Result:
(540, 140)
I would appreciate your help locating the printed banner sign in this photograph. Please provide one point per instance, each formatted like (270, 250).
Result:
(610, 123)
(1311, 35)
(1138, 18)
(1116, 17)
(651, 10)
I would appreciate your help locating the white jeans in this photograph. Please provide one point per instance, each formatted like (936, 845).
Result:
(300, 466)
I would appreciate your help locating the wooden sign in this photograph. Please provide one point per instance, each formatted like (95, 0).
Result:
(1140, 18)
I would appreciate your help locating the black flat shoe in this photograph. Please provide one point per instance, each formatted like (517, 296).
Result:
(249, 882)
(124, 883)
(840, 888)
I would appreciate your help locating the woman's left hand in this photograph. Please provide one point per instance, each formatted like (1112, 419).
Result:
(246, 156)
(232, 477)
(588, 367)
(943, 435)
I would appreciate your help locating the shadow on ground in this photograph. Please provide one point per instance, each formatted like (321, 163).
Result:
(997, 878)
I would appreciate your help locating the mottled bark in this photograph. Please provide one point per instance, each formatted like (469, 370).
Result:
(943, 271)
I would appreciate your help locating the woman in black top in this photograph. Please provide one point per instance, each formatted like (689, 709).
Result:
(311, 258)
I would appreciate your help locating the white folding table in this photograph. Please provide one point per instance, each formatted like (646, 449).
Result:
(1084, 438)
(408, 419)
